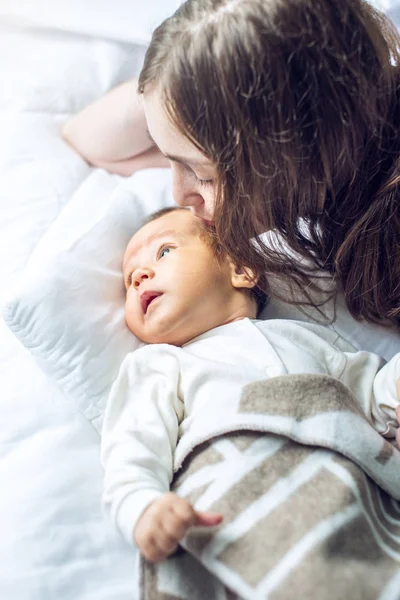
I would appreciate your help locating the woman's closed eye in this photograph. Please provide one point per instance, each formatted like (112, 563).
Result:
(205, 182)
(199, 180)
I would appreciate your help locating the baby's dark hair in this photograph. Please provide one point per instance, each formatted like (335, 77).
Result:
(207, 232)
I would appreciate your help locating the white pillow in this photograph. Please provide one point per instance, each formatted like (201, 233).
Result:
(68, 307)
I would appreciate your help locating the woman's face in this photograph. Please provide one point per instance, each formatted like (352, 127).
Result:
(193, 174)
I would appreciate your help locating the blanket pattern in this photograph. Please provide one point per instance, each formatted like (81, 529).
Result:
(309, 503)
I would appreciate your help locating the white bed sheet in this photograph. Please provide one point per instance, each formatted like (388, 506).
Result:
(55, 542)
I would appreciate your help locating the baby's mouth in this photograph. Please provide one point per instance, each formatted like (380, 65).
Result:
(147, 298)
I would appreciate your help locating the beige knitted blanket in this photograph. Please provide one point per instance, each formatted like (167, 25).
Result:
(309, 499)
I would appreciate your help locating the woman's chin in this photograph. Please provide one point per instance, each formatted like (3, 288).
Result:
(207, 219)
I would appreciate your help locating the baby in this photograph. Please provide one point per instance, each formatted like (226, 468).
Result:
(198, 310)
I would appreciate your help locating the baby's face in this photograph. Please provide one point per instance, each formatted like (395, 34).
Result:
(176, 289)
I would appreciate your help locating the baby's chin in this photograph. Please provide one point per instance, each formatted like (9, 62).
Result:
(156, 337)
(175, 327)
(172, 337)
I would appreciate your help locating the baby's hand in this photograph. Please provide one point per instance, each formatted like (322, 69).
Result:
(165, 522)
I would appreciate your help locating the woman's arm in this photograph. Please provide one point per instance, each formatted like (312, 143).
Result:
(111, 133)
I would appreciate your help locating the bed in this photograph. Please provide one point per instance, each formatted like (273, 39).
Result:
(55, 542)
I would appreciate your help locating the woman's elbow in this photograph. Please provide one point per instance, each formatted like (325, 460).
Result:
(70, 135)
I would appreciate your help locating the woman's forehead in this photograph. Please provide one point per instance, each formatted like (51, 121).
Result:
(171, 142)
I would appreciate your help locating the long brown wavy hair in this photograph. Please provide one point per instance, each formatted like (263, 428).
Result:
(297, 103)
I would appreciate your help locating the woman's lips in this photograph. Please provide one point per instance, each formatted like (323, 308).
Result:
(205, 221)
(146, 298)
(203, 217)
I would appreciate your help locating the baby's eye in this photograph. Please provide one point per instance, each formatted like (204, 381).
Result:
(164, 251)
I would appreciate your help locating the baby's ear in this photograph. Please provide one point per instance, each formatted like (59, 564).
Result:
(242, 277)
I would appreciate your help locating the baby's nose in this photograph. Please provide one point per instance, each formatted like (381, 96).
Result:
(140, 275)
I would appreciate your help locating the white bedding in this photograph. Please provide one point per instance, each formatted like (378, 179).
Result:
(55, 543)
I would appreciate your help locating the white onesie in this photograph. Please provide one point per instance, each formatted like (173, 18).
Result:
(163, 392)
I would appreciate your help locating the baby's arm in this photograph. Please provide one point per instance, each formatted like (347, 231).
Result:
(140, 433)
(111, 133)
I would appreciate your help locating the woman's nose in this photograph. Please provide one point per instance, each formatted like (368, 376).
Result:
(183, 191)
(187, 200)
(140, 275)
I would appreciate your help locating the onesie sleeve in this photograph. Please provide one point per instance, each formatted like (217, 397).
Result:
(385, 396)
(374, 384)
(140, 433)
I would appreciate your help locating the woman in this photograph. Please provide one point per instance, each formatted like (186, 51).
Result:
(279, 115)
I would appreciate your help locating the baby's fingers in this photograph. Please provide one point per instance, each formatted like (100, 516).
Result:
(166, 545)
(172, 527)
(207, 519)
(158, 545)
(187, 517)
(152, 550)
(183, 514)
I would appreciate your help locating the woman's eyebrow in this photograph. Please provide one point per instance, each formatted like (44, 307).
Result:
(180, 159)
